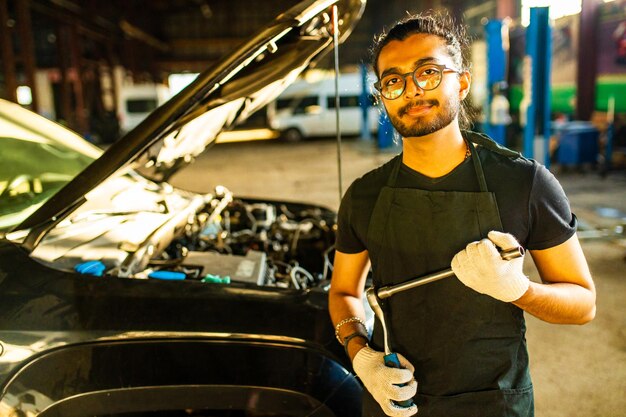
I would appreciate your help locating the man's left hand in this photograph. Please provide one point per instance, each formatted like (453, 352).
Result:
(480, 267)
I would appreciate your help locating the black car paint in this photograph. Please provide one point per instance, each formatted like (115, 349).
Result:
(255, 376)
(128, 333)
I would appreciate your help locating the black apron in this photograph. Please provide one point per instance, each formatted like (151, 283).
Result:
(468, 349)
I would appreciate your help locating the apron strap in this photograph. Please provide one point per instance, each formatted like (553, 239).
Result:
(393, 176)
(486, 142)
(478, 167)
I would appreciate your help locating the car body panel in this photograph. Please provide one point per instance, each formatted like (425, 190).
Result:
(249, 371)
(97, 319)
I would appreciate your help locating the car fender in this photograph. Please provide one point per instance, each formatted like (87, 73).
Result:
(218, 373)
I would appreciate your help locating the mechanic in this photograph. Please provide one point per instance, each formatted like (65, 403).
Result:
(451, 198)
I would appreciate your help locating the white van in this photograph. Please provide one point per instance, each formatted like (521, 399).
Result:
(308, 109)
(137, 101)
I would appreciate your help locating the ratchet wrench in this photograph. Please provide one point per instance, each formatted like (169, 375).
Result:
(391, 358)
(388, 291)
(373, 295)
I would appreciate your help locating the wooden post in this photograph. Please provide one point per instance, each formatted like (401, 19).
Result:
(507, 8)
(28, 48)
(8, 59)
(586, 65)
(82, 124)
(65, 112)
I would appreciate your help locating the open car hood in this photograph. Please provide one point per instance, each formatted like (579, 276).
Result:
(220, 97)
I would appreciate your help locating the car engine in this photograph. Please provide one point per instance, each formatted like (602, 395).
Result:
(138, 229)
(286, 245)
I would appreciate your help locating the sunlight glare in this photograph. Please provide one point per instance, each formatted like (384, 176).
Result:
(558, 8)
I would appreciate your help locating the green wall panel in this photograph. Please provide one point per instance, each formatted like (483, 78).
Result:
(563, 95)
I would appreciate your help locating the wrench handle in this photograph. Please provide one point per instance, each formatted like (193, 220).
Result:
(389, 290)
(392, 361)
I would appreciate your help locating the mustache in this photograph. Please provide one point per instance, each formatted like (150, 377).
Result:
(403, 110)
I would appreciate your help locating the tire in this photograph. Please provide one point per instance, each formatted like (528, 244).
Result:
(292, 135)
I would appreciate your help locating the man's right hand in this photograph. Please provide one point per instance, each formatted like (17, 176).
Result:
(383, 382)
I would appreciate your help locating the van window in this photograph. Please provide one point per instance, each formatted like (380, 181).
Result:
(283, 103)
(141, 105)
(301, 104)
(348, 101)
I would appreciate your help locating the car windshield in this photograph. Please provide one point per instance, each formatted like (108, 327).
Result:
(35, 162)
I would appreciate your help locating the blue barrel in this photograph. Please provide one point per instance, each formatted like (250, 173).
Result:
(578, 142)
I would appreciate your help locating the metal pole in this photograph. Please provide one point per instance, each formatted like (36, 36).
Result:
(545, 84)
(537, 78)
(497, 50)
(337, 117)
(365, 105)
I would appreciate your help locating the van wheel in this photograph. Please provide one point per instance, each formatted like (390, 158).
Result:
(292, 135)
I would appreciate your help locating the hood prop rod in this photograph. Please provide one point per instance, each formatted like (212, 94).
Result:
(337, 116)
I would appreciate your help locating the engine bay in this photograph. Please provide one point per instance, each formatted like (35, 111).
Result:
(172, 234)
(264, 243)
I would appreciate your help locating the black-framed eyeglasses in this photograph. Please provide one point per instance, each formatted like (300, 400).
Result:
(427, 77)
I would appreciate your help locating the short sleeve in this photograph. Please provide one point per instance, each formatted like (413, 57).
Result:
(551, 219)
(347, 238)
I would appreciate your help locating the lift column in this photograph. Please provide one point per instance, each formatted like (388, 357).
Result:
(536, 104)
(496, 36)
(364, 103)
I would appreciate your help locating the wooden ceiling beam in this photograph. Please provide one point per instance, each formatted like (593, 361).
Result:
(220, 43)
(184, 65)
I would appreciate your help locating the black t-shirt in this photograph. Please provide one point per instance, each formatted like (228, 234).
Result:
(532, 204)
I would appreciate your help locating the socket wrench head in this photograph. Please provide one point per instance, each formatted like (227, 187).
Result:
(372, 299)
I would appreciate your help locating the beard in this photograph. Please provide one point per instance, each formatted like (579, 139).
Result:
(421, 126)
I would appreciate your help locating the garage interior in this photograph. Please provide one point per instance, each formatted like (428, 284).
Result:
(73, 59)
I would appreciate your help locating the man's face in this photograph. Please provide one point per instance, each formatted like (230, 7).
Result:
(417, 112)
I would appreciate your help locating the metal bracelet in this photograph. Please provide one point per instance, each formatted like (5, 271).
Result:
(346, 321)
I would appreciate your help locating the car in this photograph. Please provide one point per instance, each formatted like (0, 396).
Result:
(38, 158)
(122, 295)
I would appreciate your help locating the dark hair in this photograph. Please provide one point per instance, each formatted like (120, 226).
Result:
(433, 23)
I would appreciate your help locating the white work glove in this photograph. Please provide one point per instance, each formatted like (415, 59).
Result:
(382, 381)
(480, 267)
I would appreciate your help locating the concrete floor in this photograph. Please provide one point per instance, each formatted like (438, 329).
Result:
(577, 370)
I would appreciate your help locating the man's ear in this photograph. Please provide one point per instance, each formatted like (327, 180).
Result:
(465, 81)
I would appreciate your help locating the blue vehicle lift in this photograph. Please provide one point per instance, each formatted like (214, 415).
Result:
(537, 68)
(496, 73)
